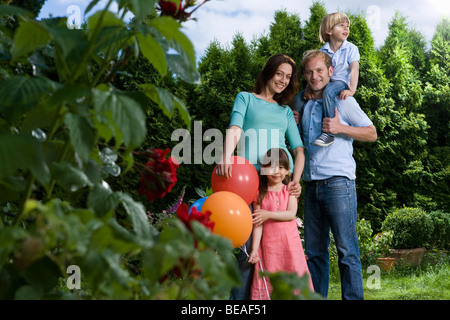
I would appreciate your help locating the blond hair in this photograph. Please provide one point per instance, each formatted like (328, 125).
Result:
(311, 54)
(328, 22)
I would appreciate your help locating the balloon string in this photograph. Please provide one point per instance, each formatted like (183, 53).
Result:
(244, 248)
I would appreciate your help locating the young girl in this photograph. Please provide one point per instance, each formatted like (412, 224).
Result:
(276, 242)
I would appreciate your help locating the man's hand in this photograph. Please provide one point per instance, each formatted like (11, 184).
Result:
(332, 125)
(297, 117)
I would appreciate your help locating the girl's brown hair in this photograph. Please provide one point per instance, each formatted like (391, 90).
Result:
(273, 157)
(269, 71)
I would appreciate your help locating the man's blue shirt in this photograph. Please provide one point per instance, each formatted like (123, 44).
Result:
(337, 159)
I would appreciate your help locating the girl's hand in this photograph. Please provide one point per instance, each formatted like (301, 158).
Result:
(254, 257)
(259, 216)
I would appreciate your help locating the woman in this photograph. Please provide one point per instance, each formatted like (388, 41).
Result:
(266, 121)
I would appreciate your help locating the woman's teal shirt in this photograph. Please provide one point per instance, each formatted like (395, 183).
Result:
(265, 125)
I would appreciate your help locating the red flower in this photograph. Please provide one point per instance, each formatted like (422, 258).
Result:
(169, 8)
(159, 175)
(186, 218)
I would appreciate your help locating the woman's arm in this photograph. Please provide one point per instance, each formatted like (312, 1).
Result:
(231, 139)
(294, 186)
(299, 164)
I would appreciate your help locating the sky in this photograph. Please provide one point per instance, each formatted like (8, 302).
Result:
(222, 19)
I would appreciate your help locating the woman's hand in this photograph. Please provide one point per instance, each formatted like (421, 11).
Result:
(294, 188)
(224, 169)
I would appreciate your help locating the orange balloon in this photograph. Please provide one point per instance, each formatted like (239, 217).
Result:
(231, 215)
(244, 180)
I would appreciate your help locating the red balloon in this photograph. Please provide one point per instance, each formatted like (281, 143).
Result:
(231, 216)
(244, 180)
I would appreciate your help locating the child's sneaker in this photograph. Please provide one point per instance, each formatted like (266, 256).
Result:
(324, 140)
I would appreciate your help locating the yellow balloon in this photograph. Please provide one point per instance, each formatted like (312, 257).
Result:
(231, 215)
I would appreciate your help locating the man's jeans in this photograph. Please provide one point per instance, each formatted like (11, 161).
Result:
(246, 269)
(331, 204)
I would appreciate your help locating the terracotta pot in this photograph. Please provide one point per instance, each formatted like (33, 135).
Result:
(412, 256)
(386, 264)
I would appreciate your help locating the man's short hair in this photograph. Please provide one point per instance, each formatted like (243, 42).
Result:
(311, 54)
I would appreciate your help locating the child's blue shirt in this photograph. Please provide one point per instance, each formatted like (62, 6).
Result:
(341, 60)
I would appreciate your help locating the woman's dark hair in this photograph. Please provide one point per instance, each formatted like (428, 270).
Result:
(273, 157)
(269, 71)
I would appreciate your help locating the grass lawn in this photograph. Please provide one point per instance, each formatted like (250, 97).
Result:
(429, 281)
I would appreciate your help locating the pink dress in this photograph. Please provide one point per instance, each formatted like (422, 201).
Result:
(280, 248)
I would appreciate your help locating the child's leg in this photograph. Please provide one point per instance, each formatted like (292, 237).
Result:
(331, 96)
(330, 101)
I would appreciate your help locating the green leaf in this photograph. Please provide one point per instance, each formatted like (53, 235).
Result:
(12, 187)
(141, 225)
(92, 4)
(121, 115)
(67, 40)
(152, 50)
(160, 96)
(184, 112)
(180, 63)
(170, 29)
(82, 135)
(23, 43)
(105, 19)
(141, 8)
(69, 177)
(22, 152)
(102, 200)
(10, 10)
(21, 93)
(166, 101)
(11, 239)
(28, 292)
(180, 53)
(42, 275)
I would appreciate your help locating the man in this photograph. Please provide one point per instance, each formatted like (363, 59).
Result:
(329, 176)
